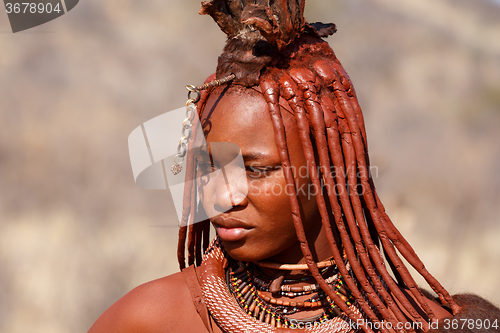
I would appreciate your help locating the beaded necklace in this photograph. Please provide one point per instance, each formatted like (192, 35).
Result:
(227, 312)
(293, 291)
(247, 289)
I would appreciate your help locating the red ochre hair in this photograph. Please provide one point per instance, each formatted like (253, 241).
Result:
(289, 60)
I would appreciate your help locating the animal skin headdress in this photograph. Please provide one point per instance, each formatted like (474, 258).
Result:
(271, 46)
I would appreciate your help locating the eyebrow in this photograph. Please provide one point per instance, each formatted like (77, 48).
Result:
(255, 156)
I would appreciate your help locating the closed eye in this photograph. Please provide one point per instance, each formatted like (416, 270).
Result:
(255, 172)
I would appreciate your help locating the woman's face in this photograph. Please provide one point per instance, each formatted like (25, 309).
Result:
(256, 225)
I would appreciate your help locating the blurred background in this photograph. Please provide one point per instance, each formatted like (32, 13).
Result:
(76, 233)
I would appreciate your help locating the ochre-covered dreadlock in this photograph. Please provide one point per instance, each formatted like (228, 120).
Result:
(272, 47)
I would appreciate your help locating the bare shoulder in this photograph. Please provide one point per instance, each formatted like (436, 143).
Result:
(162, 305)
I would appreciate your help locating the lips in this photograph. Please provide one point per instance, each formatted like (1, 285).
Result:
(230, 229)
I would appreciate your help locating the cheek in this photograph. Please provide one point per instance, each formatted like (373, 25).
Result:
(201, 184)
(304, 185)
(306, 193)
(205, 192)
(271, 193)
(307, 199)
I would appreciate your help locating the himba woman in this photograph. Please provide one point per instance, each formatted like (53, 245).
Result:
(296, 250)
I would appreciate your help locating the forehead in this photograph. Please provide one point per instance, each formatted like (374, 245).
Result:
(239, 116)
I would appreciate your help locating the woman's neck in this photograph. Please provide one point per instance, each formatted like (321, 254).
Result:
(320, 250)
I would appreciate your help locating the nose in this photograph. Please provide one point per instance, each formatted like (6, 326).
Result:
(229, 190)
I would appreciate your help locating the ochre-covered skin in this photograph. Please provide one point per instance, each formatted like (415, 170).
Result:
(301, 69)
(310, 79)
(292, 95)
